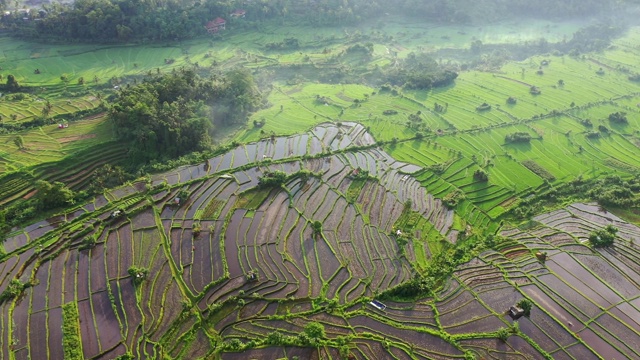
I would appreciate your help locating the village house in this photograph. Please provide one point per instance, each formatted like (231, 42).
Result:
(238, 13)
(216, 25)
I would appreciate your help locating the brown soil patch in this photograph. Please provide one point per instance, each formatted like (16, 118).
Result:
(30, 194)
(344, 97)
(507, 203)
(96, 116)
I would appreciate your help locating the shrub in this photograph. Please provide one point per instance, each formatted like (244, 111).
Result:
(138, 274)
(14, 290)
(593, 134)
(452, 199)
(503, 334)
(483, 107)
(389, 112)
(634, 77)
(586, 123)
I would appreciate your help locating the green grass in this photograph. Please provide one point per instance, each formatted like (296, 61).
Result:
(49, 143)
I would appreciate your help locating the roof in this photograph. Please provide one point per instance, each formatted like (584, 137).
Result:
(215, 23)
(515, 312)
(239, 12)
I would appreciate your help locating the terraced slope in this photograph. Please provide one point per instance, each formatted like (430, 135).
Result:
(239, 266)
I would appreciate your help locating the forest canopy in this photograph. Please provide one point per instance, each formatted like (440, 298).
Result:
(128, 20)
(172, 115)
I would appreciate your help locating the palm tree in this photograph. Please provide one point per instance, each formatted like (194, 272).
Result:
(46, 109)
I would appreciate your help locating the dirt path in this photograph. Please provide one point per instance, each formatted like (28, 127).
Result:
(514, 80)
(69, 139)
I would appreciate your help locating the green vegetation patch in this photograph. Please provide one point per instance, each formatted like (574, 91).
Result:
(213, 208)
(71, 342)
(353, 192)
(538, 170)
(250, 199)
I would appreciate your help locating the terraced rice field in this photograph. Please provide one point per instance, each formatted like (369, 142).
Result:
(236, 264)
(199, 256)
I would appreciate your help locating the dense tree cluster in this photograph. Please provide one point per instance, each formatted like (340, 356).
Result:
(171, 115)
(273, 179)
(612, 190)
(421, 72)
(518, 137)
(480, 175)
(618, 117)
(53, 195)
(126, 20)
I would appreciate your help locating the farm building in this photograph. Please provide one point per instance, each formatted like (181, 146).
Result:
(516, 312)
(215, 25)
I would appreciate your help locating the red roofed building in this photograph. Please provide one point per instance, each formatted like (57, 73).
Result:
(215, 25)
(238, 13)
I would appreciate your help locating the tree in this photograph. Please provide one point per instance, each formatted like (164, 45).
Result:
(525, 305)
(481, 175)
(315, 330)
(560, 82)
(518, 137)
(274, 338)
(12, 83)
(14, 290)
(165, 117)
(603, 237)
(317, 227)
(46, 109)
(108, 176)
(19, 141)
(81, 80)
(54, 195)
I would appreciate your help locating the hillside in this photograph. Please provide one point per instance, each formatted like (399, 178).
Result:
(394, 190)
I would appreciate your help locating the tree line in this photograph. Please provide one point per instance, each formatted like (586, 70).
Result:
(129, 20)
